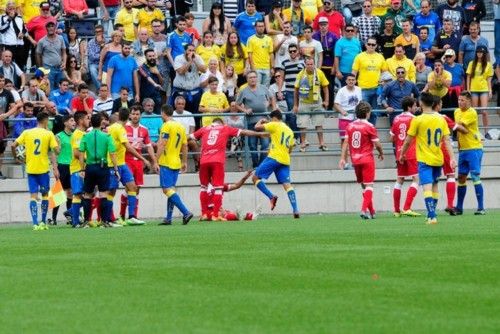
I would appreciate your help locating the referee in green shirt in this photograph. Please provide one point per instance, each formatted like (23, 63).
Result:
(94, 149)
(63, 160)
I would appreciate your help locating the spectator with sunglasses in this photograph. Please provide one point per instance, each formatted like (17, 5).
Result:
(367, 24)
(395, 91)
(346, 49)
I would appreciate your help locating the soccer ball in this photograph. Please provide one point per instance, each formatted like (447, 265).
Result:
(21, 152)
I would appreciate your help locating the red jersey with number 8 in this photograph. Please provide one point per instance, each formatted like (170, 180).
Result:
(361, 135)
(399, 132)
(213, 142)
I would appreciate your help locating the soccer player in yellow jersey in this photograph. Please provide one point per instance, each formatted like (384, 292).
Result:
(470, 153)
(260, 53)
(39, 142)
(278, 159)
(213, 102)
(119, 135)
(82, 121)
(429, 130)
(171, 146)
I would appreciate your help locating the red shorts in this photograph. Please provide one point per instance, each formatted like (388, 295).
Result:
(407, 168)
(365, 172)
(137, 169)
(213, 173)
(447, 170)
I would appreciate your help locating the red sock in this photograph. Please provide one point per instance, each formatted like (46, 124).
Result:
(123, 205)
(96, 204)
(410, 196)
(451, 189)
(370, 208)
(204, 202)
(217, 198)
(136, 207)
(367, 198)
(396, 197)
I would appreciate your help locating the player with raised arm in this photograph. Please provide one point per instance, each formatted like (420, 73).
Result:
(39, 143)
(278, 159)
(361, 138)
(409, 167)
(429, 130)
(171, 145)
(214, 139)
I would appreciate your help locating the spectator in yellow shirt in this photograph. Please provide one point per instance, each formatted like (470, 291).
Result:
(127, 16)
(146, 15)
(207, 49)
(298, 17)
(408, 40)
(213, 102)
(260, 54)
(438, 80)
(399, 60)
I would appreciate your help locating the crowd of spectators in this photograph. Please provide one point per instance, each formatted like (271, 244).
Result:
(249, 57)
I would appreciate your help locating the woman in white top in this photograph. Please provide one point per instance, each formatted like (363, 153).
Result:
(77, 48)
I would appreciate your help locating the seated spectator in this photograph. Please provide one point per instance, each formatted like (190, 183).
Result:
(77, 8)
(20, 126)
(42, 77)
(230, 83)
(208, 49)
(11, 71)
(212, 72)
(78, 48)
(103, 103)
(213, 101)
(62, 97)
(72, 73)
(150, 79)
(122, 101)
(399, 60)
(15, 94)
(82, 101)
(35, 95)
(95, 47)
(153, 124)
(182, 116)
(140, 45)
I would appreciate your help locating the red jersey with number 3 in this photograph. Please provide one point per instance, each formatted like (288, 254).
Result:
(399, 131)
(138, 137)
(213, 142)
(361, 135)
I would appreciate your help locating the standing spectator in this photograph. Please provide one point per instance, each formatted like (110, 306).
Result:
(112, 7)
(277, 90)
(14, 34)
(446, 39)
(36, 24)
(351, 9)
(20, 126)
(146, 15)
(230, 83)
(438, 82)
(400, 60)
(397, 13)
(385, 40)
(11, 71)
(232, 8)
(475, 11)
(307, 99)
(160, 46)
(82, 102)
(409, 41)
(281, 43)
(426, 45)
(311, 48)
(191, 30)
(122, 101)
(103, 103)
(427, 18)
(328, 40)
(274, 20)
(346, 49)
(78, 48)
(212, 72)
(421, 70)
(213, 102)
(95, 45)
(260, 54)
(208, 49)
(127, 16)
(140, 45)
(150, 79)
(109, 51)
(451, 10)
(368, 25)
(380, 7)
(457, 72)
(235, 53)
(479, 74)
(334, 19)
(177, 41)
(346, 100)
(7, 109)
(395, 91)
(62, 97)
(312, 6)
(368, 66)
(122, 72)
(51, 54)
(255, 99)
(217, 23)
(245, 22)
(34, 95)
(469, 44)
(298, 18)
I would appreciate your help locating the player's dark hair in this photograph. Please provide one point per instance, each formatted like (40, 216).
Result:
(427, 99)
(42, 116)
(96, 120)
(437, 101)
(123, 114)
(466, 94)
(79, 115)
(407, 102)
(167, 110)
(66, 118)
(276, 114)
(363, 109)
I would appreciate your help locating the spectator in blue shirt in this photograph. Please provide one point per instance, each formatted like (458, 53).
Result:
(427, 18)
(244, 23)
(20, 126)
(395, 91)
(469, 43)
(62, 97)
(122, 72)
(176, 43)
(346, 49)
(150, 120)
(457, 72)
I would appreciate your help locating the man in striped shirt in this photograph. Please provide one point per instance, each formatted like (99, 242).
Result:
(104, 102)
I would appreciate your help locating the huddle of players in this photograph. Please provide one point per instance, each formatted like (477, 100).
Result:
(422, 148)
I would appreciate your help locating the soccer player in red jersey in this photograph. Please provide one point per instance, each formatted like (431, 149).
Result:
(138, 137)
(409, 167)
(214, 139)
(361, 137)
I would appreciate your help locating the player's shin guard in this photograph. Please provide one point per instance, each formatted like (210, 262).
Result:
(217, 198)
(429, 204)
(367, 199)
(264, 189)
(396, 197)
(136, 207)
(435, 197)
(132, 203)
(34, 211)
(478, 187)
(44, 207)
(410, 196)
(75, 211)
(461, 191)
(293, 199)
(87, 204)
(204, 201)
(123, 205)
(176, 200)
(451, 190)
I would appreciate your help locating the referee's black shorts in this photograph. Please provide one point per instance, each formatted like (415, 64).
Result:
(95, 175)
(64, 176)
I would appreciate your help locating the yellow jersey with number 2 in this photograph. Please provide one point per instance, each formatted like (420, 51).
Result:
(37, 142)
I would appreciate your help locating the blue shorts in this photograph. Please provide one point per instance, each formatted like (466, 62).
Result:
(469, 161)
(428, 174)
(125, 177)
(39, 183)
(478, 95)
(76, 183)
(168, 177)
(269, 166)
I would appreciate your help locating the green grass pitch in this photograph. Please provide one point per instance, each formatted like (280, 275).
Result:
(319, 274)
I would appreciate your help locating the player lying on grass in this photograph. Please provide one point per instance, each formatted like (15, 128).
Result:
(361, 138)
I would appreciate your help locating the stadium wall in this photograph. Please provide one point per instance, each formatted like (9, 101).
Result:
(326, 191)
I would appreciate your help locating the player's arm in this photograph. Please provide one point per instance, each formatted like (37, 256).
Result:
(343, 154)
(251, 133)
(260, 125)
(53, 161)
(237, 185)
(460, 128)
(379, 149)
(136, 154)
(152, 155)
(449, 148)
(404, 149)
(160, 147)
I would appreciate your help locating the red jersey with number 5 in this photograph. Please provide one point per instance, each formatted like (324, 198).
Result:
(399, 131)
(361, 135)
(213, 142)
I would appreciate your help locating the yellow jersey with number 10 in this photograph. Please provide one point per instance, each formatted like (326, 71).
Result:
(281, 141)
(37, 142)
(174, 134)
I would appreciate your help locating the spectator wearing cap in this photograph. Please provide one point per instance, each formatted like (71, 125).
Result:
(334, 19)
(368, 25)
(37, 25)
(469, 43)
(395, 91)
(298, 17)
(51, 54)
(346, 49)
(351, 9)
(245, 22)
(450, 100)
(62, 97)
(396, 12)
(42, 77)
(11, 71)
(446, 39)
(327, 39)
